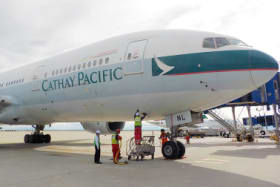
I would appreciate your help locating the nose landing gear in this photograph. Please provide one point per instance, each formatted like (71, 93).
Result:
(37, 136)
(173, 149)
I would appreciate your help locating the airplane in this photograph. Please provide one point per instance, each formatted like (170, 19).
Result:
(173, 75)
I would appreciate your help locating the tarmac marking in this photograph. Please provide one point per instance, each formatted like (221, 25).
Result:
(212, 161)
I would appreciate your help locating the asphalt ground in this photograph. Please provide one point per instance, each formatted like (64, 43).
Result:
(68, 161)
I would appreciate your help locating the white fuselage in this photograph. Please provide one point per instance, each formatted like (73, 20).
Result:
(109, 80)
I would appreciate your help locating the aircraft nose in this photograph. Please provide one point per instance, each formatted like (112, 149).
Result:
(263, 67)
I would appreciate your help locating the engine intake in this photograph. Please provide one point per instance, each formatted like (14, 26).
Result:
(103, 127)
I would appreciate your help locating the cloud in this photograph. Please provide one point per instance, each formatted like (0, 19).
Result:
(32, 29)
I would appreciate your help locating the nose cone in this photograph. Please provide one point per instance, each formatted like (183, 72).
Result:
(263, 67)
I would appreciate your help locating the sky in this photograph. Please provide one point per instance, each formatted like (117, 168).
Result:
(32, 30)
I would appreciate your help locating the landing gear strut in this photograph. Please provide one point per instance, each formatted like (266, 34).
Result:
(173, 149)
(37, 136)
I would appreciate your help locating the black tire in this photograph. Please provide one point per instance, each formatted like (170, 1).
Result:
(153, 156)
(129, 157)
(262, 132)
(27, 138)
(238, 137)
(182, 149)
(47, 138)
(250, 138)
(170, 150)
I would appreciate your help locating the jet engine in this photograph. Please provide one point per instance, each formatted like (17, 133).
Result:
(103, 127)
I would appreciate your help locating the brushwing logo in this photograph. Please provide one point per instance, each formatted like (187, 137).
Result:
(160, 68)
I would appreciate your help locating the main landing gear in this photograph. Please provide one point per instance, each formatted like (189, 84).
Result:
(37, 136)
(173, 149)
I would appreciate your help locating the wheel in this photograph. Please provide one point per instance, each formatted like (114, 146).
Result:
(181, 149)
(238, 137)
(129, 157)
(142, 157)
(47, 138)
(262, 132)
(170, 150)
(250, 138)
(27, 138)
(153, 156)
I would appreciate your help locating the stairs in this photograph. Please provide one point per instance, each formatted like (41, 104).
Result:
(221, 121)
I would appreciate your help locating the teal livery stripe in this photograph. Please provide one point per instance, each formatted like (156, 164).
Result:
(217, 61)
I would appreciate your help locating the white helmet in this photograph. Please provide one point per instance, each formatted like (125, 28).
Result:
(97, 132)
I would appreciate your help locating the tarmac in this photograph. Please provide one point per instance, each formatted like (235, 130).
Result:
(68, 161)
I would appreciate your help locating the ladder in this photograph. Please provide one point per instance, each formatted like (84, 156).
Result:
(221, 121)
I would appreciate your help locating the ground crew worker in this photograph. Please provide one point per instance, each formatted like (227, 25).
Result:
(138, 126)
(163, 137)
(97, 145)
(187, 137)
(115, 145)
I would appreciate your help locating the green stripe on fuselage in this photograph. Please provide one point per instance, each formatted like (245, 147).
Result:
(207, 62)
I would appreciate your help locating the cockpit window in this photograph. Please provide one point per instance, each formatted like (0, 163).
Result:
(220, 42)
(209, 43)
(234, 41)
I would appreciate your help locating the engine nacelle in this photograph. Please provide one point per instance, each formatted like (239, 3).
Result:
(103, 127)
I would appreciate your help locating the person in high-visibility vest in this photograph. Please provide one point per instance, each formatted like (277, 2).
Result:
(163, 137)
(138, 126)
(97, 145)
(115, 145)
(187, 137)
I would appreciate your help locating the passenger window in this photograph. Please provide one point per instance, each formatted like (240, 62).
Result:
(69, 69)
(209, 43)
(129, 56)
(106, 60)
(94, 63)
(65, 70)
(84, 65)
(89, 64)
(79, 66)
(57, 72)
(100, 61)
(46, 75)
(74, 68)
(220, 42)
(53, 73)
(61, 71)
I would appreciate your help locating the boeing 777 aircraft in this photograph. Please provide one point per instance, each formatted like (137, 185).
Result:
(168, 74)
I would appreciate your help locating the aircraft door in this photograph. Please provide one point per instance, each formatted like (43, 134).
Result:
(133, 60)
(37, 75)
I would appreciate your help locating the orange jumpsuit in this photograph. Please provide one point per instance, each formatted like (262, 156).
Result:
(115, 146)
(163, 138)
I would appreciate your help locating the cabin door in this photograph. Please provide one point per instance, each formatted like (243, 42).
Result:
(134, 56)
(37, 75)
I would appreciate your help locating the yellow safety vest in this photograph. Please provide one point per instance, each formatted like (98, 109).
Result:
(99, 143)
(137, 121)
(114, 139)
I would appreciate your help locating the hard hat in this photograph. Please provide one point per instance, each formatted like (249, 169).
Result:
(118, 130)
(98, 132)
(137, 114)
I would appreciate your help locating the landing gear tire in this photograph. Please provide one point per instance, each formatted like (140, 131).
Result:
(181, 149)
(170, 150)
(27, 138)
(47, 138)
(37, 138)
